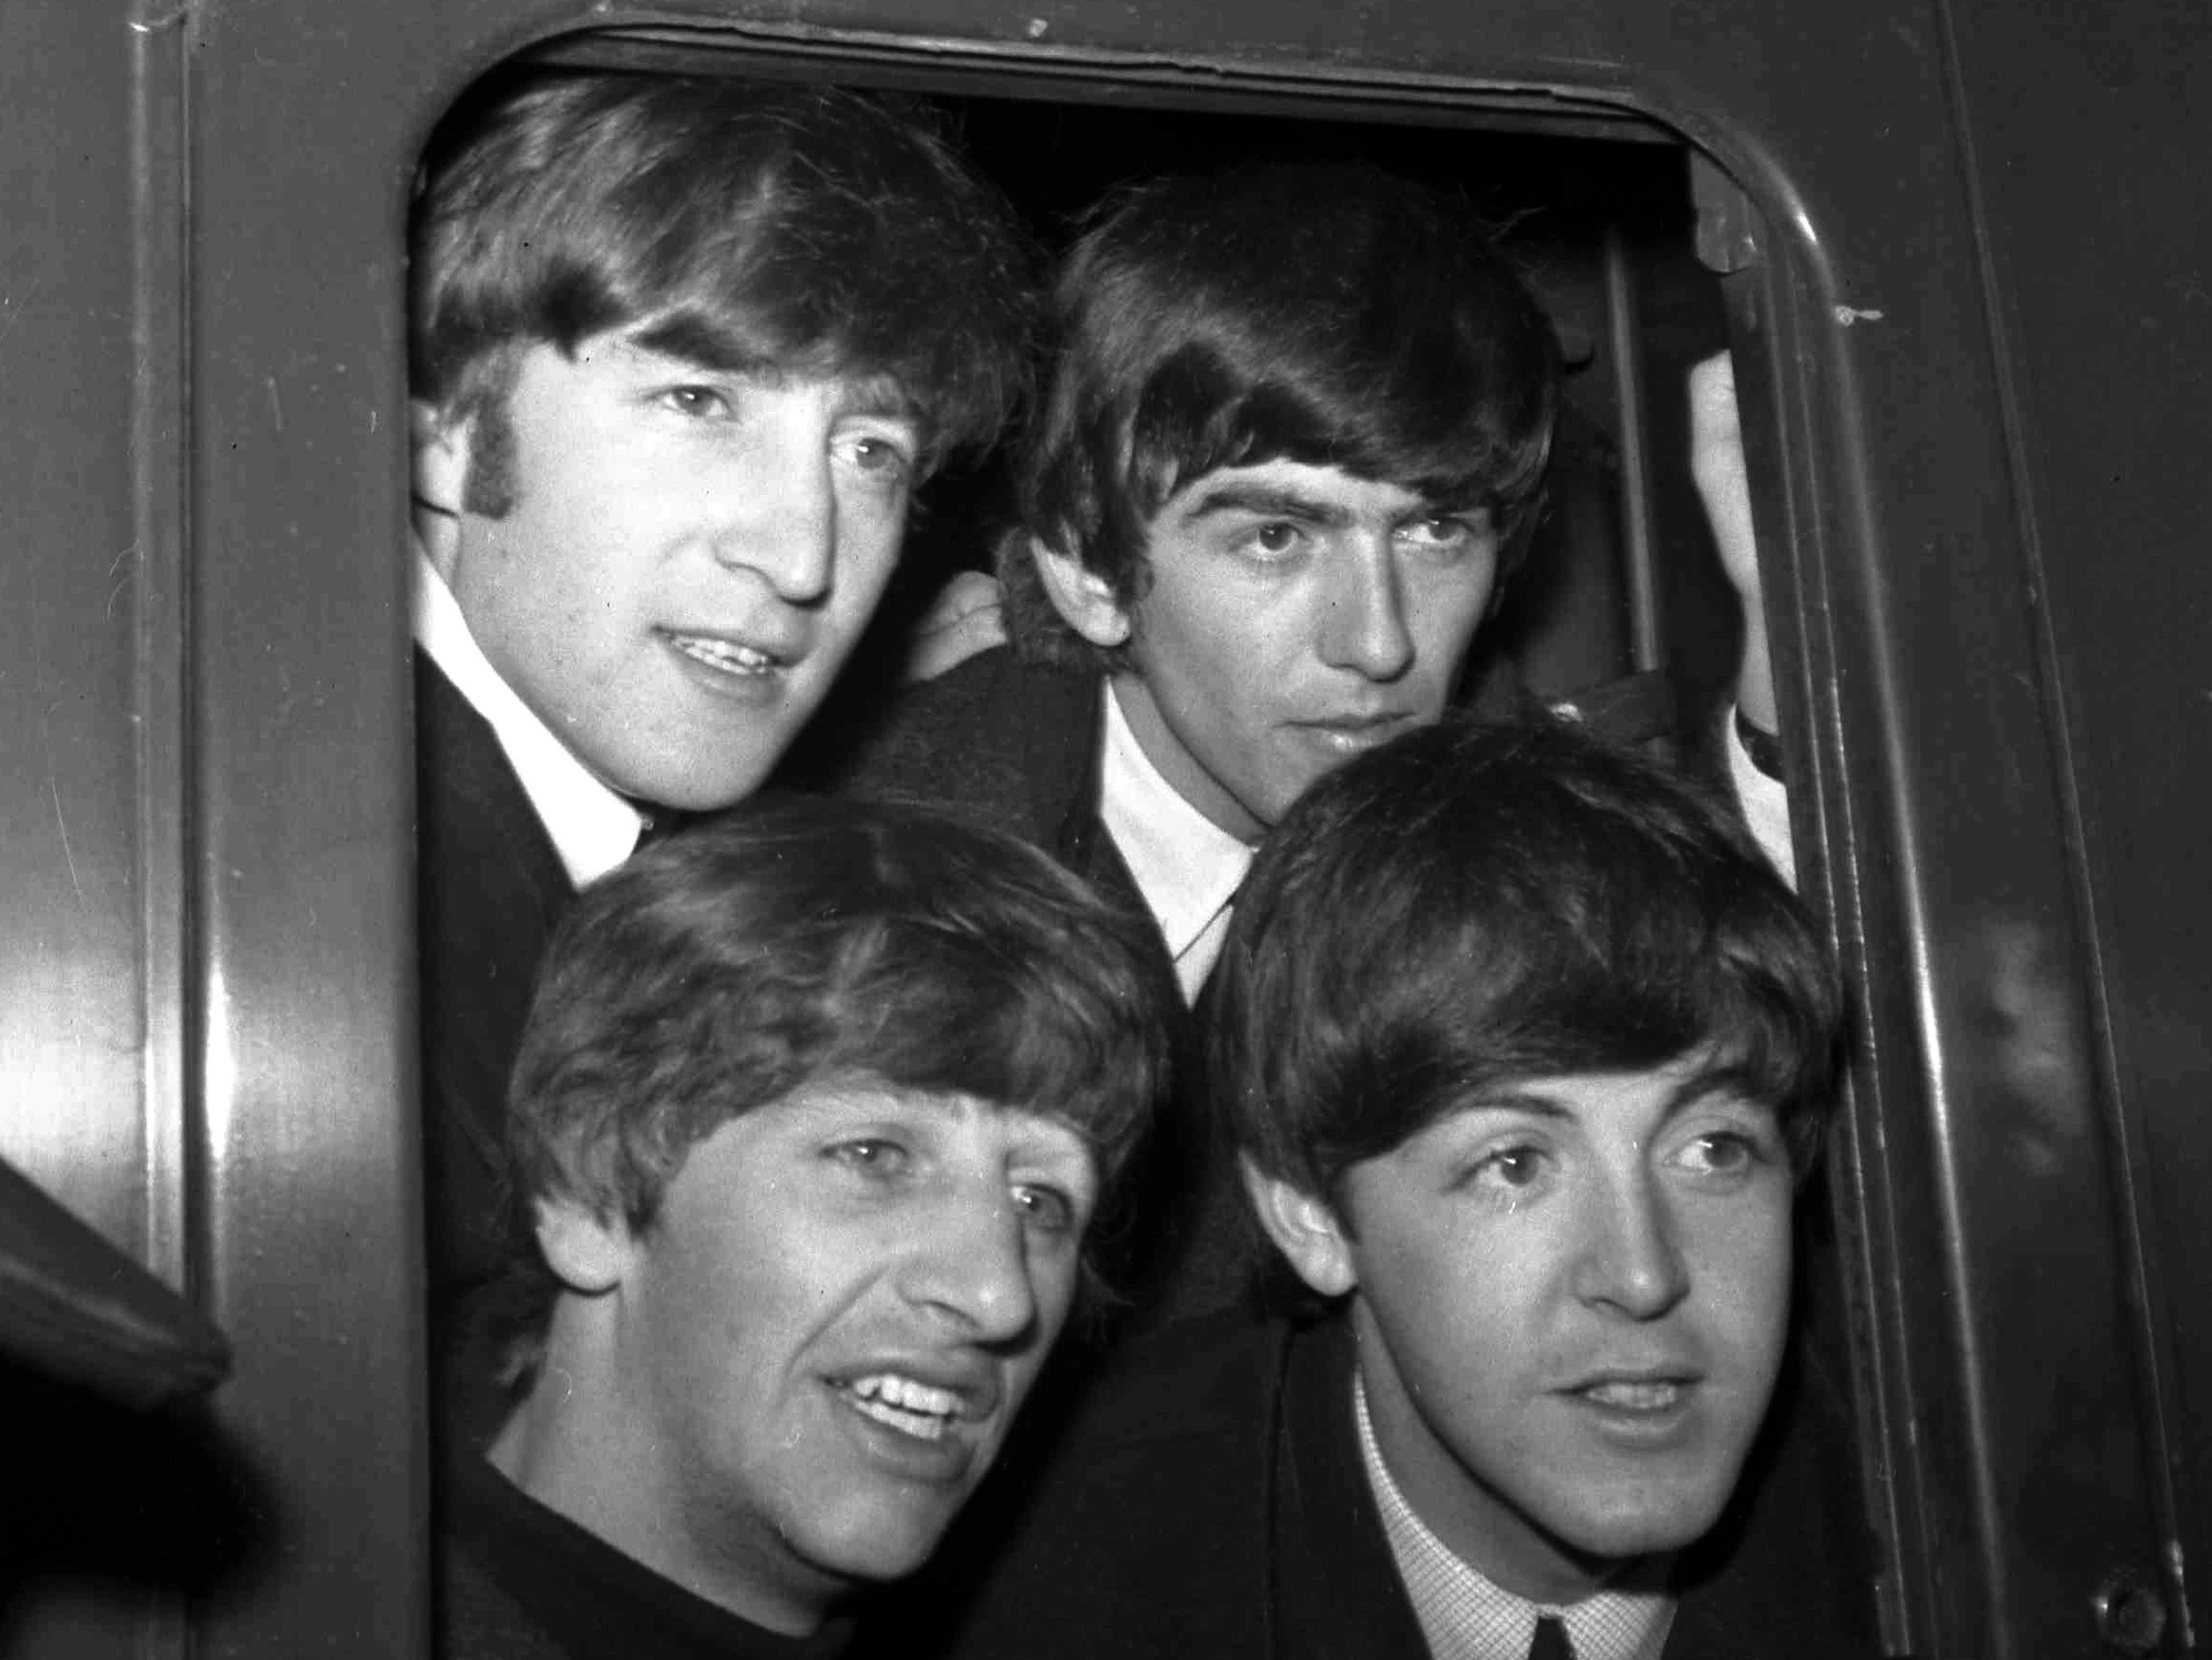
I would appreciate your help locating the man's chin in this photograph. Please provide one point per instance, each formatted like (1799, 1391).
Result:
(877, 1549)
(690, 790)
(1645, 1525)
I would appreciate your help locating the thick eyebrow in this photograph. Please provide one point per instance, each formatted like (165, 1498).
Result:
(835, 1099)
(1263, 501)
(1694, 1091)
(1517, 1097)
(829, 1104)
(1465, 502)
(880, 394)
(1054, 1140)
(1513, 1097)
(691, 338)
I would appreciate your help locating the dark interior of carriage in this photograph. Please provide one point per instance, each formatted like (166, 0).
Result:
(1622, 577)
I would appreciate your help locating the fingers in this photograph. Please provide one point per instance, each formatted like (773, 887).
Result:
(1723, 482)
(966, 617)
(1716, 464)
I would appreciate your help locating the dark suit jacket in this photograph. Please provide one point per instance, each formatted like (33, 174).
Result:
(1013, 743)
(491, 887)
(1211, 1502)
(1018, 744)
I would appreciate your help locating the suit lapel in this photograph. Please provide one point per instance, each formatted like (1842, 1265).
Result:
(469, 800)
(1068, 777)
(1335, 1593)
(491, 887)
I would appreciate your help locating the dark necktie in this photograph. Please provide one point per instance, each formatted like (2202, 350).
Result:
(1550, 1642)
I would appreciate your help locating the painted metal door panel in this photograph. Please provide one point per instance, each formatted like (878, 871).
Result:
(91, 1041)
(2088, 134)
(1982, 366)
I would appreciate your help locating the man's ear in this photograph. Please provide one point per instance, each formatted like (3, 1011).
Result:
(1305, 1229)
(1083, 598)
(589, 1253)
(441, 445)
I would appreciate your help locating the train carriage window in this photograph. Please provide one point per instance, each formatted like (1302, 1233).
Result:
(1623, 597)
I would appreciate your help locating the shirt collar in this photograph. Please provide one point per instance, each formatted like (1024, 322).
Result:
(593, 828)
(1185, 864)
(1466, 1617)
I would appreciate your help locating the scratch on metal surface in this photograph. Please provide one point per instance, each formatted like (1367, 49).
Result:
(2173, 1567)
(123, 582)
(68, 855)
(10, 313)
(276, 403)
(168, 20)
(1848, 315)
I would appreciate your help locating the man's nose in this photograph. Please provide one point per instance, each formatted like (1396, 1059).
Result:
(1365, 630)
(1631, 1259)
(779, 518)
(970, 1265)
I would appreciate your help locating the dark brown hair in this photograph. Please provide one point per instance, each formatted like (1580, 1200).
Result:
(785, 229)
(1477, 903)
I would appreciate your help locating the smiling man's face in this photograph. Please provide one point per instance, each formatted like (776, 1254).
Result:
(688, 555)
(1289, 617)
(822, 1337)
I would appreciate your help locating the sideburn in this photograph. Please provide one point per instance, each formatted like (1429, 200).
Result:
(489, 491)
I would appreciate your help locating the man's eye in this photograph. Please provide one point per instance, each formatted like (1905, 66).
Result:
(1441, 533)
(699, 403)
(1512, 1168)
(1046, 1209)
(883, 458)
(1728, 1158)
(871, 1156)
(1723, 1152)
(1274, 538)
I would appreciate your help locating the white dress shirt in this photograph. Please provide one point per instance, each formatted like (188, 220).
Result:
(1186, 866)
(1465, 1617)
(593, 828)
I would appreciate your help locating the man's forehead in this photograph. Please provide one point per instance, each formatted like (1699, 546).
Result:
(1657, 1092)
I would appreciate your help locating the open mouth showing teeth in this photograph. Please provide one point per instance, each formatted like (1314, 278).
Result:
(722, 654)
(910, 1407)
(1635, 1397)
